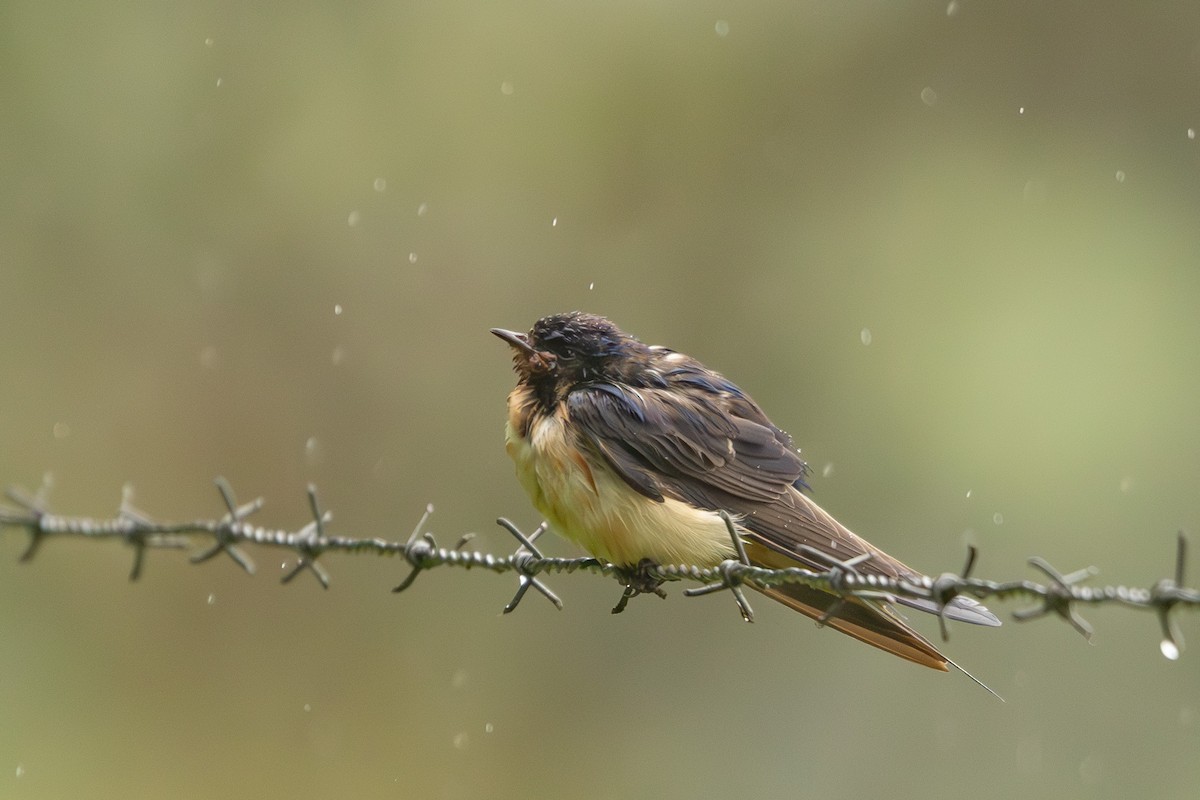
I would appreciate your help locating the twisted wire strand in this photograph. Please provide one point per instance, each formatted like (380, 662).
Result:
(1059, 595)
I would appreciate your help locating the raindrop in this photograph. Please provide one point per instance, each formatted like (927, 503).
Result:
(208, 42)
(422, 209)
(1169, 650)
(1120, 176)
(722, 28)
(307, 707)
(353, 219)
(208, 357)
(865, 335)
(61, 430)
(488, 727)
(212, 599)
(412, 258)
(506, 88)
(952, 8)
(1191, 133)
(380, 185)
(1021, 111)
(969, 493)
(461, 741)
(827, 470)
(928, 96)
(219, 82)
(312, 451)
(337, 309)
(20, 770)
(998, 518)
(339, 355)
(591, 286)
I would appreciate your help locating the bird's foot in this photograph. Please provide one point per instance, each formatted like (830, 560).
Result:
(641, 578)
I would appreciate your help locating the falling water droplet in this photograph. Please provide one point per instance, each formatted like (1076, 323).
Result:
(1169, 650)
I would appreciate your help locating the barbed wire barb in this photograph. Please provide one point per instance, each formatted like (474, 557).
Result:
(141, 532)
(35, 504)
(1059, 597)
(412, 554)
(1166, 594)
(945, 588)
(308, 543)
(525, 552)
(226, 532)
(730, 578)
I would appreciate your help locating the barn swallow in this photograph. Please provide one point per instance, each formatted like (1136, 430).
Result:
(633, 451)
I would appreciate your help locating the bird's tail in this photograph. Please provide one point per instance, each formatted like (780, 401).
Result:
(869, 622)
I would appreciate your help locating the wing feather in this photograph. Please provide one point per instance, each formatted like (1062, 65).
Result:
(700, 439)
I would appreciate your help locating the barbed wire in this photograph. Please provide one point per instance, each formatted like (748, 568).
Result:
(1060, 595)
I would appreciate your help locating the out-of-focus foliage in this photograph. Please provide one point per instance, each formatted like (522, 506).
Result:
(953, 248)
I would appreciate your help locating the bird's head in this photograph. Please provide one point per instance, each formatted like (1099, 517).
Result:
(564, 350)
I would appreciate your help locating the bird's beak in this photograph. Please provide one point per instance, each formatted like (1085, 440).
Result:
(518, 341)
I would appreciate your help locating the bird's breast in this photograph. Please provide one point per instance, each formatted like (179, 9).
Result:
(587, 502)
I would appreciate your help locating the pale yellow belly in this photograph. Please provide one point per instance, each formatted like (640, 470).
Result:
(594, 507)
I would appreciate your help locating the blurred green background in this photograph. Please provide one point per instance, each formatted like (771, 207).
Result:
(954, 248)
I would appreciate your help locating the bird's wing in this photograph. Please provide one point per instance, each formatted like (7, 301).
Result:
(702, 440)
(685, 444)
(717, 450)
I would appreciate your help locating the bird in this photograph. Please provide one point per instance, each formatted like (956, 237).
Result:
(640, 454)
